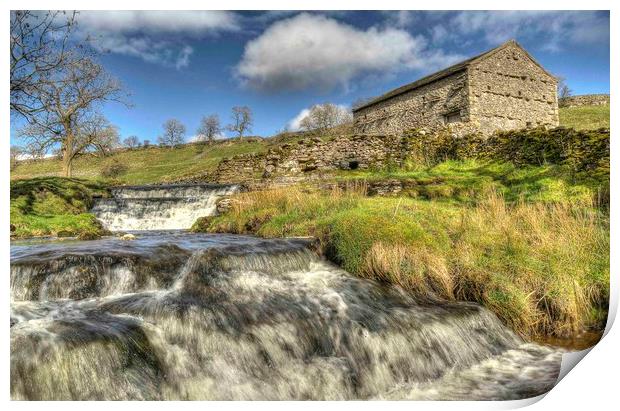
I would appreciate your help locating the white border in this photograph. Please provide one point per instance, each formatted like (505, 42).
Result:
(591, 385)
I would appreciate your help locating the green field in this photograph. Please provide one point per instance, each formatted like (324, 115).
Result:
(145, 165)
(585, 117)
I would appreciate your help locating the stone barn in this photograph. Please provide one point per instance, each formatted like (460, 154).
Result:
(501, 89)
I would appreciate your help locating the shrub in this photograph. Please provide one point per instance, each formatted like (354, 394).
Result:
(113, 169)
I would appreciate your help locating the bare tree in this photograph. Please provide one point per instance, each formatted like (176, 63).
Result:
(90, 133)
(325, 116)
(38, 50)
(146, 143)
(38, 140)
(174, 133)
(16, 152)
(131, 142)
(209, 128)
(242, 121)
(68, 98)
(563, 90)
(98, 135)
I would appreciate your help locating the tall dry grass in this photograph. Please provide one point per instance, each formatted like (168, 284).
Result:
(543, 268)
(545, 265)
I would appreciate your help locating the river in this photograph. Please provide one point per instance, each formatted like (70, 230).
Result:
(177, 315)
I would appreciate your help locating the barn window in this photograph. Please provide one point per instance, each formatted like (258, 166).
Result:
(454, 117)
(488, 87)
(520, 92)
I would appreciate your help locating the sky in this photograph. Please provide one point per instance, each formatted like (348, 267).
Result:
(189, 64)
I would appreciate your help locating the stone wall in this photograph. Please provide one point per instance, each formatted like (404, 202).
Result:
(311, 154)
(585, 100)
(427, 106)
(509, 91)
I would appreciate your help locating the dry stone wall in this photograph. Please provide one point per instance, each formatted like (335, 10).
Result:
(312, 154)
(585, 100)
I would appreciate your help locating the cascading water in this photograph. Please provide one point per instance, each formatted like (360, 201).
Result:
(196, 316)
(170, 207)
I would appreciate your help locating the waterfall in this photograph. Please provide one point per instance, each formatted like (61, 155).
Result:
(166, 207)
(198, 316)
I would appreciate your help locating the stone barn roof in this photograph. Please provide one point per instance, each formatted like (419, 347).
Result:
(445, 73)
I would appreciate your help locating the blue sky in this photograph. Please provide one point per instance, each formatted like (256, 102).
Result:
(188, 64)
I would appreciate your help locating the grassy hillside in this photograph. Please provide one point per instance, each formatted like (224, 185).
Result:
(157, 164)
(54, 206)
(585, 117)
(145, 165)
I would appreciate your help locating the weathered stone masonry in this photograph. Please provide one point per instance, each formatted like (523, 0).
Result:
(585, 100)
(345, 153)
(502, 89)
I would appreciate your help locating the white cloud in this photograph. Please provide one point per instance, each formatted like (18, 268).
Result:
(154, 36)
(197, 22)
(295, 123)
(183, 57)
(310, 50)
(552, 29)
(26, 156)
(197, 137)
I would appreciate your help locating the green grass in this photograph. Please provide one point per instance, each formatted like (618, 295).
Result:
(543, 268)
(52, 206)
(145, 165)
(585, 117)
(466, 181)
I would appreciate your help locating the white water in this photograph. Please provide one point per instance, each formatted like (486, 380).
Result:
(171, 207)
(194, 316)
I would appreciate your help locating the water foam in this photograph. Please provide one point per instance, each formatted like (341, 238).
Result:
(158, 207)
(244, 318)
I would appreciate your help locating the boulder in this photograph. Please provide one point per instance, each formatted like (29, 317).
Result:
(223, 205)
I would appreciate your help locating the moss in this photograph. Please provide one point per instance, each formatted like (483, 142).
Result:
(55, 206)
(467, 181)
(201, 224)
